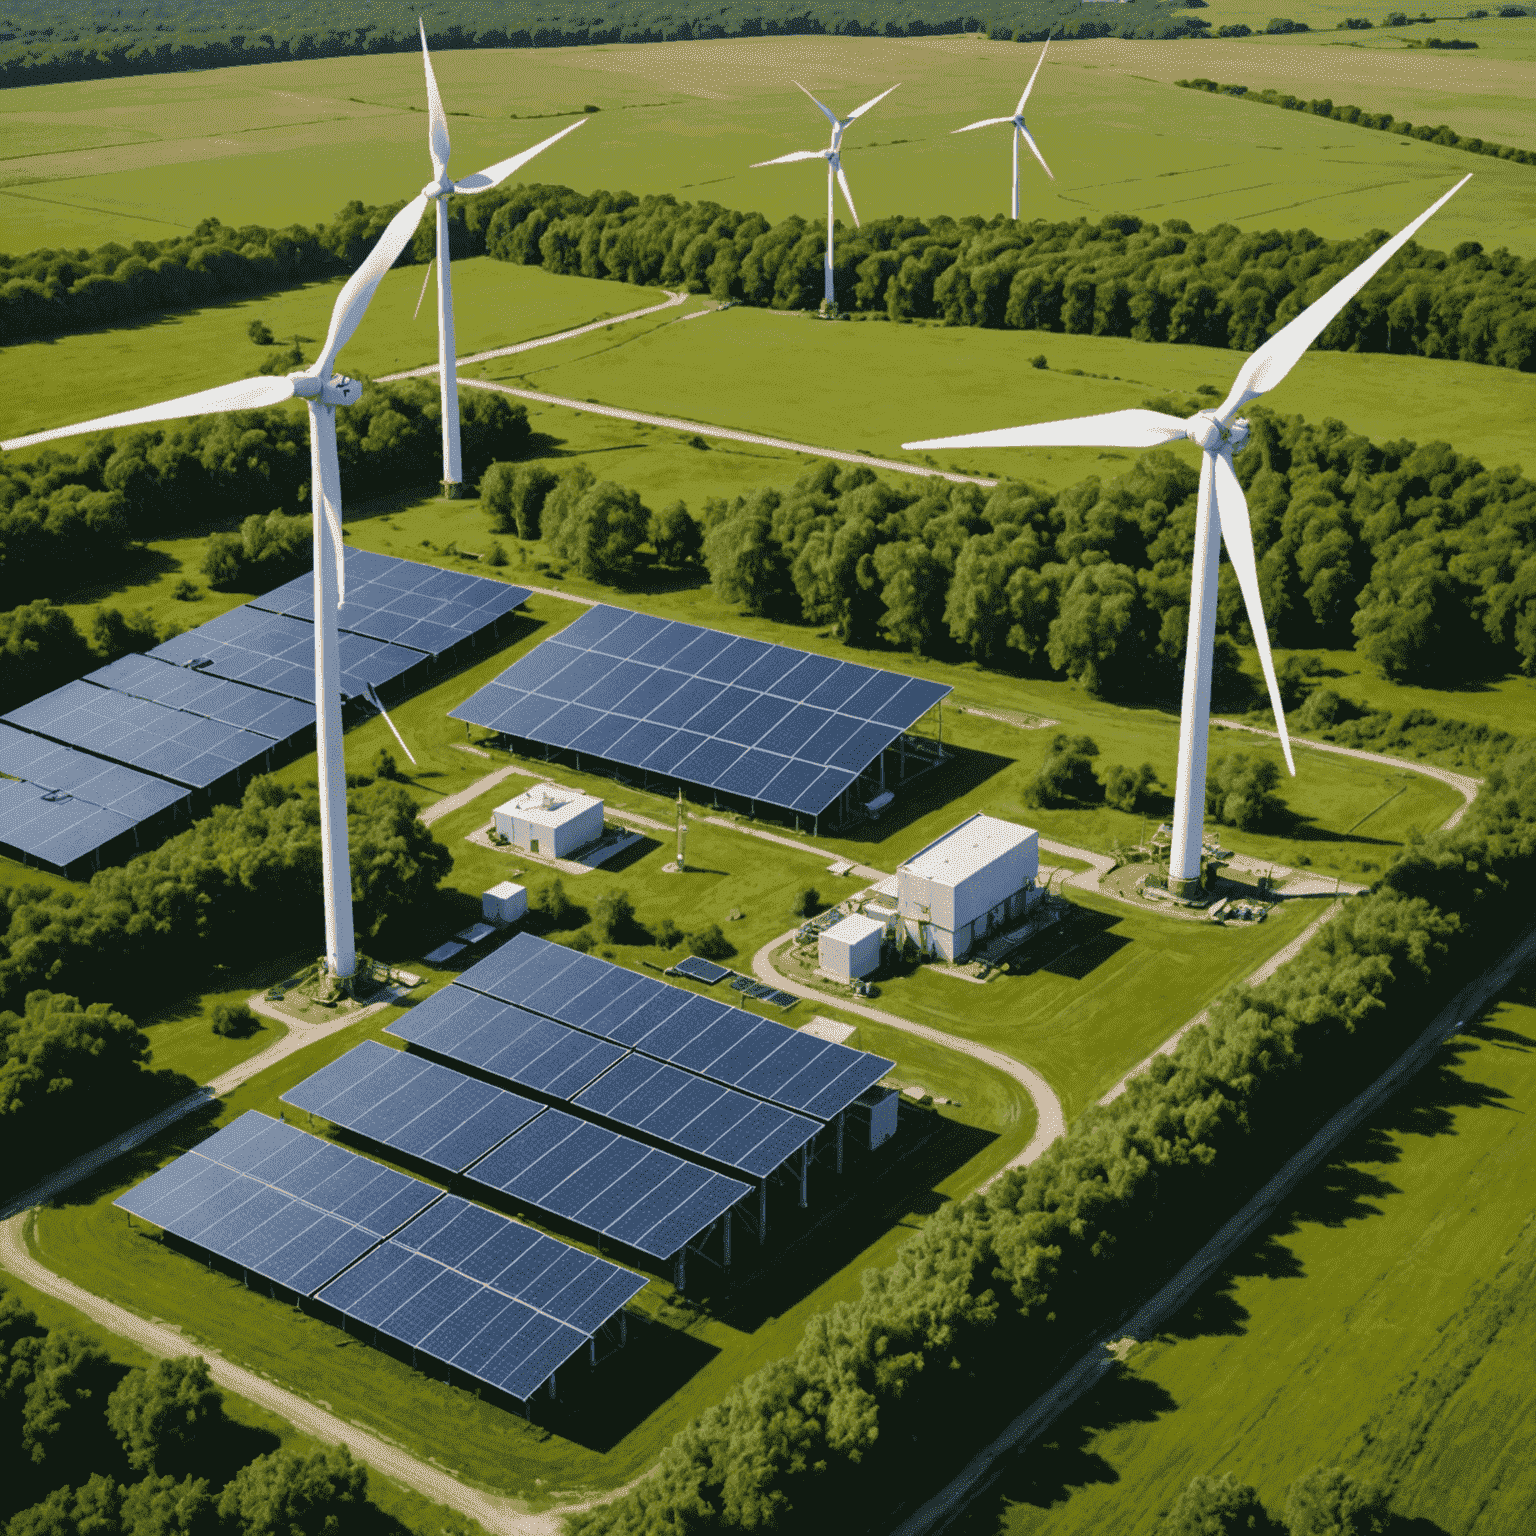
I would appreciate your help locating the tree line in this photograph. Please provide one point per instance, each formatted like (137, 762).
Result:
(102, 1451)
(1118, 276)
(1383, 122)
(1324, 1501)
(68, 513)
(996, 1293)
(47, 41)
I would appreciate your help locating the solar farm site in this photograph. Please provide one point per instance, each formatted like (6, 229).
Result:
(106, 765)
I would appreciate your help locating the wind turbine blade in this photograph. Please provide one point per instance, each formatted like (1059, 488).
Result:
(842, 181)
(437, 129)
(799, 154)
(1237, 535)
(826, 111)
(874, 101)
(1028, 88)
(1036, 148)
(494, 175)
(986, 122)
(244, 395)
(1114, 429)
(1270, 364)
(322, 422)
(422, 295)
(352, 301)
(378, 704)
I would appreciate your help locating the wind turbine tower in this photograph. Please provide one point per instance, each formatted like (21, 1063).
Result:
(1220, 434)
(437, 191)
(1019, 131)
(834, 158)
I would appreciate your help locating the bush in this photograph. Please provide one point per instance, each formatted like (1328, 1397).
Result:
(384, 765)
(668, 934)
(614, 916)
(265, 553)
(496, 557)
(807, 902)
(159, 1414)
(552, 905)
(260, 332)
(1066, 776)
(233, 1020)
(1124, 788)
(709, 943)
(514, 495)
(287, 1493)
(675, 536)
(1216, 1506)
(1328, 1501)
(1240, 792)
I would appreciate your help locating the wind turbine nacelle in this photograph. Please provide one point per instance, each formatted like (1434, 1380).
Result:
(1206, 429)
(439, 188)
(336, 390)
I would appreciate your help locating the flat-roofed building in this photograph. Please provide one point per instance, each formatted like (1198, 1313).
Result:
(971, 882)
(549, 820)
(850, 949)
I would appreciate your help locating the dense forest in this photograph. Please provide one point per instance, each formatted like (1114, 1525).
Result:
(1418, 555)
(994, 1294)
(67, 513)
(1117, 276)
(44, 41)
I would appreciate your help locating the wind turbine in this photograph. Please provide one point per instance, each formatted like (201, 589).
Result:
(1019, 131)
(437, 191)
(321, 393)
(834, 158)
(1220, 433)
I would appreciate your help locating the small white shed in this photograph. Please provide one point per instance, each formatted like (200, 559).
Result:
(504, 903)
(549, 820)
(851, 948)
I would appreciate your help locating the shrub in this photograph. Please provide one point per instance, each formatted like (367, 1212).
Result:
(260, 332)
(1216, 1506)
(1066, 775)
(158, 1414)
(384, 765)
(1328, 1501)
(1124, 787)
(807, 901)
(709, 943)
(234, 1020)
(614, 915)
(668, 934)
(1240, 792)
(552, 904)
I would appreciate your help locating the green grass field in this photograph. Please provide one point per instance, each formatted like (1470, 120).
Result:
(147, 157)
(1383, 1323)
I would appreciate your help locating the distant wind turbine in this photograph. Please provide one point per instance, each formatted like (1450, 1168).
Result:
(834, 158)
(1220, 434)
(437, 191)
(1019, 131)
(322, 392)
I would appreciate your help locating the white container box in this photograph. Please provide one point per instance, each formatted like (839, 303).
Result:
(504, 903)
(851, 948)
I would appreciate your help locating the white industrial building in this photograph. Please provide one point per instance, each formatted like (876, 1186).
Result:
(504, 903)
(973, 881)
(550, 821)
(850, 949)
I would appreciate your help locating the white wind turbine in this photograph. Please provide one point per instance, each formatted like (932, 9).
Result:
(1220, 434)
(321, 392)
(834, 158)
(437, 191)
(1019, 131)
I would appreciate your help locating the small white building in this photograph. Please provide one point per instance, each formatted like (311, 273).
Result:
(549, 820)
(851, 948)
(973, 881)
(504, 903)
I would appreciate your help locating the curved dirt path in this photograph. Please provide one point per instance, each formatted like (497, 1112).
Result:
(1464, 784)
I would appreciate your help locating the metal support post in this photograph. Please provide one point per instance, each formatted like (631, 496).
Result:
(623, 1330)
(552, 1392)
(680, 1270)
(805, 1164)
(840, 1115)
(727, 1239)
(762, 1212)
(592, 1350)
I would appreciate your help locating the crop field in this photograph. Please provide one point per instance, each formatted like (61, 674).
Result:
(1383, 1323)
(281, 143)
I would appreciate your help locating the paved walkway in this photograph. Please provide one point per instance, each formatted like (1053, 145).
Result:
(1145, 1322)
(457, 801)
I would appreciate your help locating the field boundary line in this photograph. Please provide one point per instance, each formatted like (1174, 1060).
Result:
(1090, 1368)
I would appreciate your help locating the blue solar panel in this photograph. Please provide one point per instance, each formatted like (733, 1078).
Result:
(110, 786)
(687, 703)
(701, 970)
(414, 1106)
(253, 709)
(56, 830)
(729, 1045)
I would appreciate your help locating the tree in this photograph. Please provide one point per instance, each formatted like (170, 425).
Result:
(601, 532)
(234, 1020)
(164, 1507)
(709, 943)
(115, 633)
(322, 1494)
(514, 495)
(1104, 633)
(384, 765)
(1328, 1501)
(614, 915)
(68, 1374)
(160, 1413)
(1240, 791)
(396, 861)
(260, 332)
(807, 902)
(558, 501)
(668, 934)
(40, 648)
(675, 536)
(745, 562)
(1067, 775)
(552, 904)
(1124, 787)
(1215, 1506)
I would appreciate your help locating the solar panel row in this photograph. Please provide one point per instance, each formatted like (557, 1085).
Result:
(709, 1038)
(761, 721)
(645, 1197)
(138, 796)
(252, 709)
(54, 829)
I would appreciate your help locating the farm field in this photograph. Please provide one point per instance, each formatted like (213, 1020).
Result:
(281, 143)
(1383, 1323)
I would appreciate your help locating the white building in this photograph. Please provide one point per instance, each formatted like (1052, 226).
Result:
(851, 948)
(504, 903)
(549, 820)
(973, 881)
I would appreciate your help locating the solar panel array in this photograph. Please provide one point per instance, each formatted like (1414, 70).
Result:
(252, 709)
(53, 829)
(714, 1040)
(762, 721)
(184, 748)
(136, 796)
(609, 1183)
(701, 970)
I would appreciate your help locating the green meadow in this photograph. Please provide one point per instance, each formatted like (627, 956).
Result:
(1383, 1323)
(147, 157)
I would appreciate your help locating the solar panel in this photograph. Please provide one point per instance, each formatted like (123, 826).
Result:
(184, 748)
(253, 709)
(414, 1106)
(609, 1183)
(701, 970)
(696, 1033)
(54, 829)
(764, 722)
(299, 1242)
(450, 1317)
(111, 786)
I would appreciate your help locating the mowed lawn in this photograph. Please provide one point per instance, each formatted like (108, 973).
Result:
(1384, 1324)
(279, 143)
